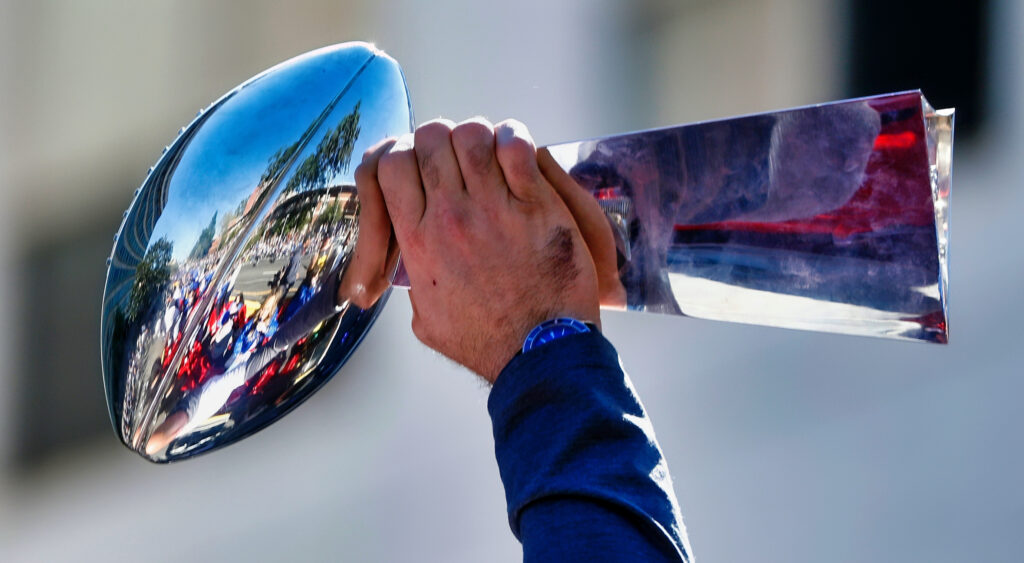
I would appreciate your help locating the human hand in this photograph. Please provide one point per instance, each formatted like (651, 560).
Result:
(368, 274)
(490, 248)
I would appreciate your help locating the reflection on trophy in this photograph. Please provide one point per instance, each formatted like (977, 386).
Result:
(798, 219)
(221, 310)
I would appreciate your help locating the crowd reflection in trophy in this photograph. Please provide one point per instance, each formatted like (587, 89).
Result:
(256, 334)
(236, 326)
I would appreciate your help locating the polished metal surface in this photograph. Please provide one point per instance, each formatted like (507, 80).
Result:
(830, 218)
(220, 311)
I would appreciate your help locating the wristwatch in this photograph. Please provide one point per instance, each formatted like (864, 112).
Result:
(554, 329)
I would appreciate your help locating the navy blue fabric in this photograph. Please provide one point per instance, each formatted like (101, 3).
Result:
(584, 477)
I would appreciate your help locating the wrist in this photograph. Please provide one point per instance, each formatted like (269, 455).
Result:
(512, 341)
(569, 356)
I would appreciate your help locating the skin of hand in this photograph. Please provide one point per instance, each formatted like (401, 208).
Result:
(496, 238)
(594, 227)
(376, 254)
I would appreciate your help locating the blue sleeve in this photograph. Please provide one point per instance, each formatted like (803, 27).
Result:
(584, 477)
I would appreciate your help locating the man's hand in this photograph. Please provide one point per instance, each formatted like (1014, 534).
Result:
(490, 248)
(491, 236)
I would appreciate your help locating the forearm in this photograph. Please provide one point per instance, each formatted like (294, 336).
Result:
(583, 474)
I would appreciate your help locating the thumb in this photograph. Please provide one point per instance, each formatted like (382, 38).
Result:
(593, 225)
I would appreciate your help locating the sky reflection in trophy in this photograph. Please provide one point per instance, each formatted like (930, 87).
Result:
(220, 312)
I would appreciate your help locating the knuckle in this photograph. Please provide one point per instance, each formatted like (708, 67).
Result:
(515, 141)
(371, 154)
(517, 148)
(473, 132)
(390, 165)
(388, 160)
(365, 172)
(480, 158)
(403, 146)
(433, 131)
(475, 140)
(513, 129)
(429, 172)
(511, 123)
(518, 160)
(451, 219)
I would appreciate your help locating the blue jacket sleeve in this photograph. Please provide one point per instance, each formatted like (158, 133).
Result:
(584, 477)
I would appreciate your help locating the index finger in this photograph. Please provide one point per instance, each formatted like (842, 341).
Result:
(398, 175)
(367, 276)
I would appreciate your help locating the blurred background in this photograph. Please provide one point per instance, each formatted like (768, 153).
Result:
(784, 446)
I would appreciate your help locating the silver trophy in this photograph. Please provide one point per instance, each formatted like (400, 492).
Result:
(220, 312)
